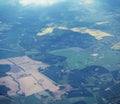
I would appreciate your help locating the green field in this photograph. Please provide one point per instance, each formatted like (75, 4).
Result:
(78, 58)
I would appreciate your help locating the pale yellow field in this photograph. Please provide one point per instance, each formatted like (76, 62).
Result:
(28, 77)
(116, 46)
(10, 83)
(4, 61)
(29, 86)
(98, 34)
(101, 23)
(46, 31)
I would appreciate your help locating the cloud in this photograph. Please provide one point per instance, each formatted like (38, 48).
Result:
(39, 2)
(85, 2)
(88, 1)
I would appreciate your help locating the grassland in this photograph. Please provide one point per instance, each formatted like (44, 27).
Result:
(77, 58)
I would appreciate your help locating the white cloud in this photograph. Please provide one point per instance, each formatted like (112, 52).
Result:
(85, 2)
(38, 2)
(88, 1)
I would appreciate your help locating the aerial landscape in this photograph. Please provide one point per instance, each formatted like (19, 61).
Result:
(59, 52)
